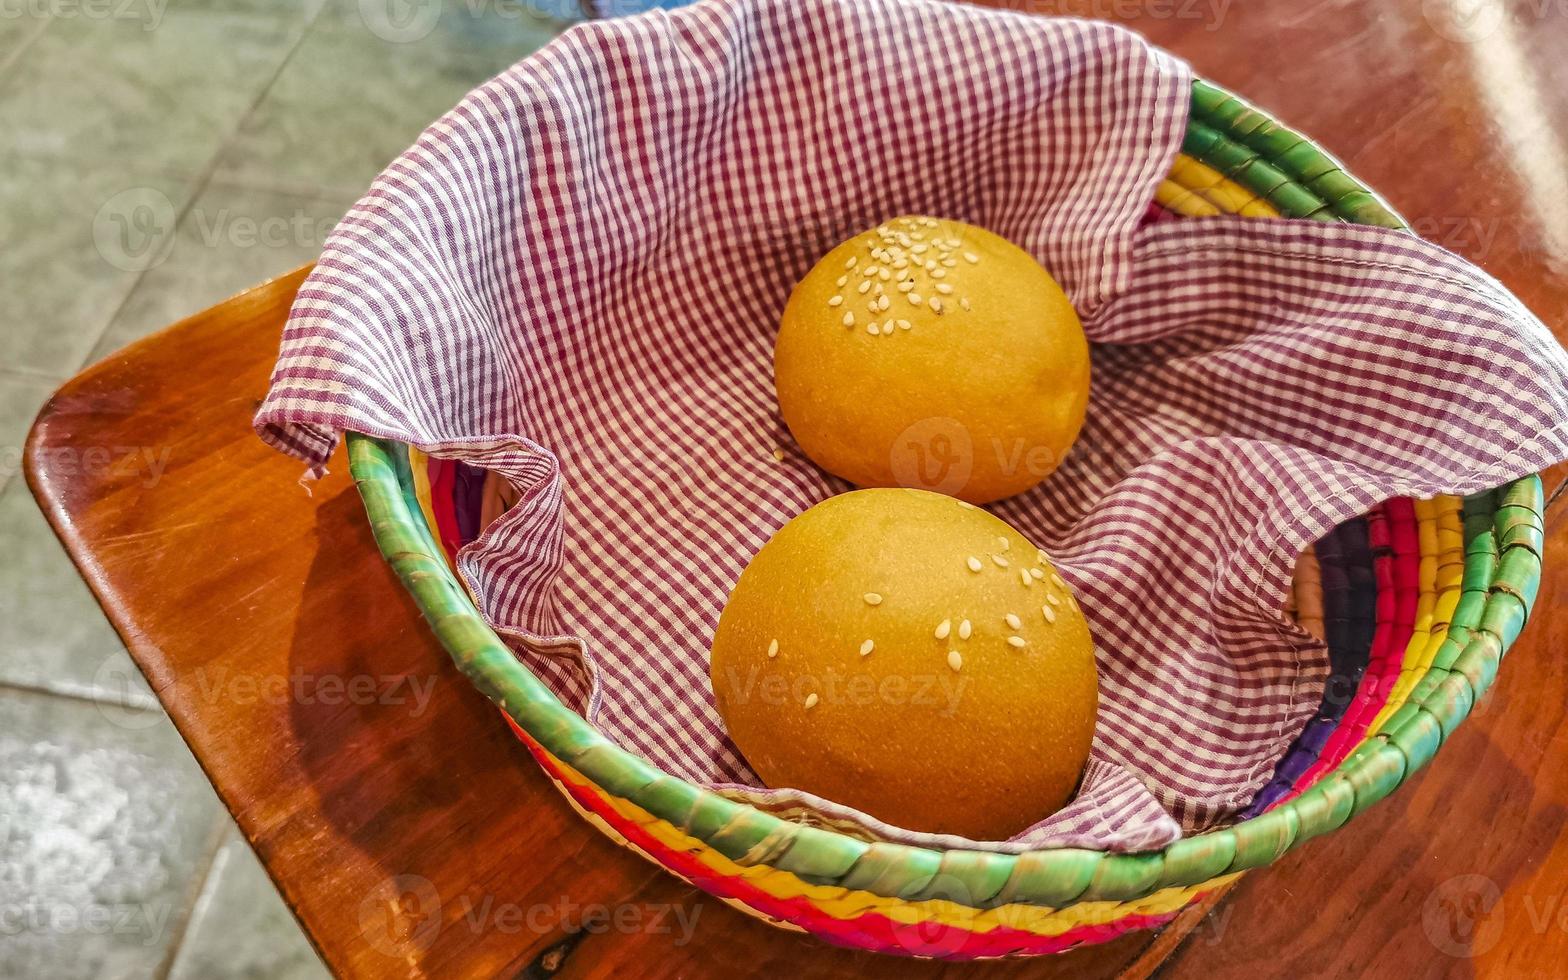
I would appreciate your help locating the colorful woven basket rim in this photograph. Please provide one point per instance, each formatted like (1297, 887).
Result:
(1275, 169)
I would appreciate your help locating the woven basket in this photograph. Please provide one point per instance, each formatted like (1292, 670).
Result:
(1417, 601)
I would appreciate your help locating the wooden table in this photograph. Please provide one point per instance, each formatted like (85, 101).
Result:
(411, 833)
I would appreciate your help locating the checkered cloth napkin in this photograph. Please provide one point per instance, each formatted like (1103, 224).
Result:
(574, 278)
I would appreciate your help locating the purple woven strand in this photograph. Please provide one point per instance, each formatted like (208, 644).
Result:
(1349, 595)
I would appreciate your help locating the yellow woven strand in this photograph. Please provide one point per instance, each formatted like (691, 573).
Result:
(1439, 595)
(419, 465)
(1174, 197)
(843, 903)
(1219, 191)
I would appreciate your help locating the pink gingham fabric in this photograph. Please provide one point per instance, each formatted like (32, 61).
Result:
(574, 279)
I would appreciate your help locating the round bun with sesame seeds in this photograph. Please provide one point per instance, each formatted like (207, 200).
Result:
(932, 354)
(913, 657)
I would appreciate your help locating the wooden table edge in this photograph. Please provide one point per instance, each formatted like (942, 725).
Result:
(1164, 941)
(34, 470)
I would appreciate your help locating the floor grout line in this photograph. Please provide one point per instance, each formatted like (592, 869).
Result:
(198, 893)
(30, 374)
(10, 60)
(83, 697)
(200, 183)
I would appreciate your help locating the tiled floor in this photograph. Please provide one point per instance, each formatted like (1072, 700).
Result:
(160, 155)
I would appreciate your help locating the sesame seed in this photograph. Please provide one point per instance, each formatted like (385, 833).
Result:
(1000, 561)
(1051, 598)
(936, 305)
(773, 648)
(915, 298)
(1017, 641)
(849, 318)
(938, 273)
(943, 288)
(964, 302)
(873, 598)
(904, 324)
(1003, 543)
(1056, 580)
(864, 287)
(851, 263)
(1023, 576)
(836, 300)
(971, 258)
(966, 505)
(1039, 556)
(965, 629)
(1036, 574)
(974, 564)
(949, 263)
(954, 660)
(869, 271)
(884, 275)
(1013, 621)
(811, 701)
(872, 329)
(778, 455)
(867, 647)
(906, 285)
(1049, 613)
(918, 249)
(842, 280)
(930, 264)
(883, 302)
(943, 628)
(900, 263)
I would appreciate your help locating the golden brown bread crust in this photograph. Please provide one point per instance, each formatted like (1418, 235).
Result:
(976, 377)
(982, 745)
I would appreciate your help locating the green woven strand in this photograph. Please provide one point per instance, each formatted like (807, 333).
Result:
(1128, 874)
(1055, 878)
(1194, 860)
(1276, 163)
